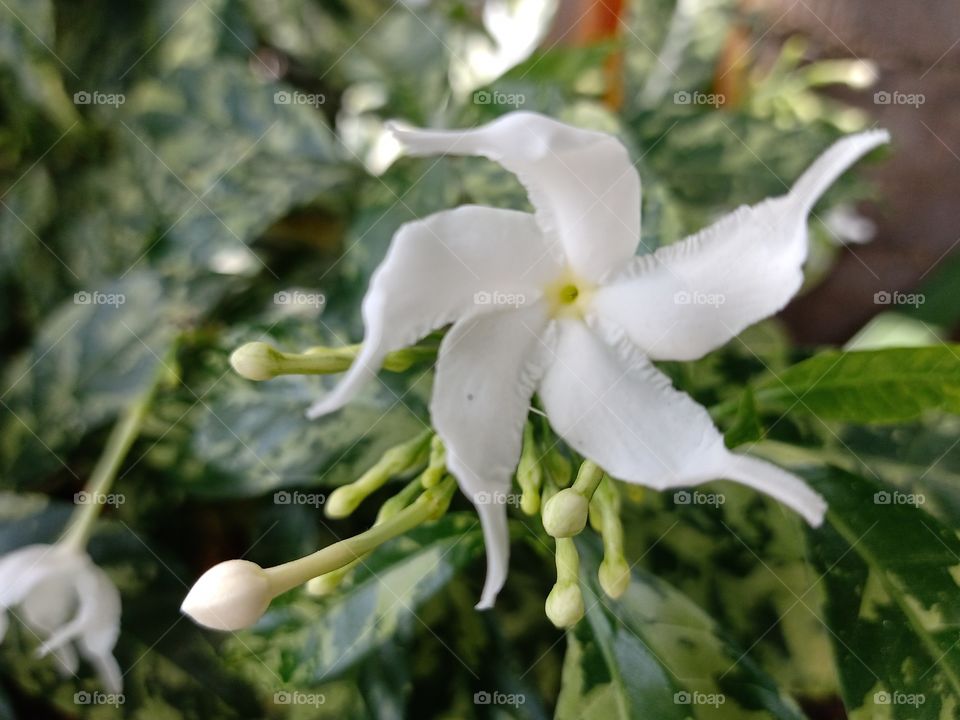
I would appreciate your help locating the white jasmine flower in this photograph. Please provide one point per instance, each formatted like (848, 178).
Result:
(557, 303)
(229, 596)
(66, 600)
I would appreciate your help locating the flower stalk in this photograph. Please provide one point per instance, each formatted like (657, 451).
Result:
(261, 361)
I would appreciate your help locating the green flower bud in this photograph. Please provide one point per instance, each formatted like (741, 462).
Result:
(564, 606)
(565, 514)
(256, 361)
(614, 576)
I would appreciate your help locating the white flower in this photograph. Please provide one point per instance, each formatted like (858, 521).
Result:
(556, 302)
(229, 596)
(64, 598)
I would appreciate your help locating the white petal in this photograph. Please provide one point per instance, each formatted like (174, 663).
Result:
(687, 299)
(584, 187)
(26, 567)
(489, 366)
(614, 407)
(437, 270)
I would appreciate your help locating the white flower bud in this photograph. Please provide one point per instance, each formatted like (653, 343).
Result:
(255, 361)
(229, 596)
(564, 605)
(614, 576)
(565, 514)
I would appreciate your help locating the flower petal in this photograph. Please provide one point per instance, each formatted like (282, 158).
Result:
(687, 299)
(489, 366)
(584, 187)
(613, 406)
(437, 270)
(28, 566)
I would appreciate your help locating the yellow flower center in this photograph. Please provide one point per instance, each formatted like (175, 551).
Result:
(568, 295)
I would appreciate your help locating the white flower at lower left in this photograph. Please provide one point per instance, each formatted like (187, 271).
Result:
(67, 602)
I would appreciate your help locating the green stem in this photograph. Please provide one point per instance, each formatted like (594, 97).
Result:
(108, 465)
(296, 572)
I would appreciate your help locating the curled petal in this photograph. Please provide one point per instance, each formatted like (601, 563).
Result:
(437, 270)
(488, 368)
(584, 187)
(614, 407)
(687, 299)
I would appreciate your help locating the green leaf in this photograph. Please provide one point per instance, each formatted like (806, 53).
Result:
(307, 641)
(746, 425)
(891, 574)
(92, 355)
(654, 653)
(872, 386)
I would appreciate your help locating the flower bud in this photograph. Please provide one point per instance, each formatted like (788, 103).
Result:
(256, 361)
(614, 576)
(229, 596)
(565, 514)
(343, 501)
(564, 605)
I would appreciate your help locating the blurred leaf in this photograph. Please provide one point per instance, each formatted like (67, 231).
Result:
(871, 386)
(655, 653)
(892, 587)
(746, 425)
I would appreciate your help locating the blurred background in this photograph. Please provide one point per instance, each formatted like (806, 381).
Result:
(180, 177)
